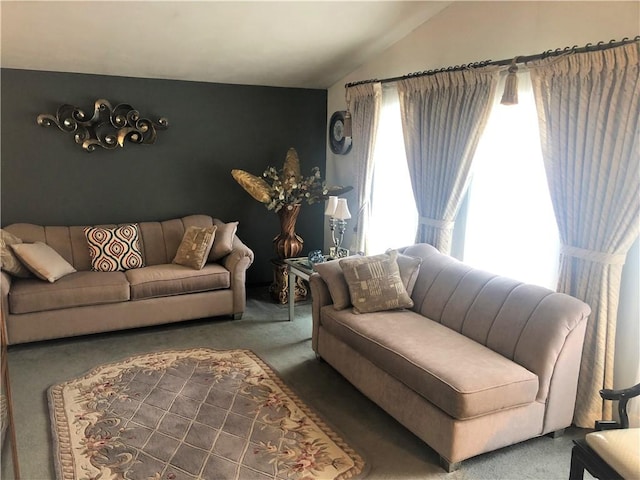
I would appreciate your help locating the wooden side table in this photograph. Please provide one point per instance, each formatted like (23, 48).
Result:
(6, 387)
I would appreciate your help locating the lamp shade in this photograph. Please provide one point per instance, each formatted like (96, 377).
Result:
(332, 203)
(342, 210)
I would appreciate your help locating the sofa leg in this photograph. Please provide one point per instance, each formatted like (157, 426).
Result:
(236, 316)
(556, 434)
(448, 466)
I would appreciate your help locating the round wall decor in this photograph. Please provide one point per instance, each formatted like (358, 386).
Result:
(339, 143)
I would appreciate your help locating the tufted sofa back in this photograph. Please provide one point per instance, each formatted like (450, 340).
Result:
(525, 323)
(159, 240)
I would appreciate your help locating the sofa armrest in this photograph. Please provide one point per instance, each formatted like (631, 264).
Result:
(5, 285)
(237, 262)
(320, 297)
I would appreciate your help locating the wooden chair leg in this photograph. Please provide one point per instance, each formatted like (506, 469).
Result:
(4, 377)
(11, 426)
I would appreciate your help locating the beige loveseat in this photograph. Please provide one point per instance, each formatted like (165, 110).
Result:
(478, 363)
(88, 302)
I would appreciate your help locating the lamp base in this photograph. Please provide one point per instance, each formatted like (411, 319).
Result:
(338, 252)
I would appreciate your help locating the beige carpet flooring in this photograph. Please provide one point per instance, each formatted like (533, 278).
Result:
(391, 452)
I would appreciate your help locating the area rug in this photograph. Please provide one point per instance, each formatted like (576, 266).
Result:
(191, 414)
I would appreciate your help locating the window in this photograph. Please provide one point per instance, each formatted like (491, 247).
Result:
(510, 225)
(511, 228)
(394, 218)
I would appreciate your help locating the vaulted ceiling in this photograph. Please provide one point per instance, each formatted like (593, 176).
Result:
(287, 44)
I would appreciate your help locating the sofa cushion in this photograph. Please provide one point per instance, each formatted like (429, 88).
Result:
(114, 249)
(42, 260)
(375, 283)
(74, 290)
(172, 279)
(195, 246)
(458, 375)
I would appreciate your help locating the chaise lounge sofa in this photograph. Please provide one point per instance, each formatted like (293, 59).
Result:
(478, 362)
(159, 292)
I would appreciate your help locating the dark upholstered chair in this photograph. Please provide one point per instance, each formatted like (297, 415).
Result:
(613, 450)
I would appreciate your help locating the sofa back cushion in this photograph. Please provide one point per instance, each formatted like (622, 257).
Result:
(525, 323)
(159, 240)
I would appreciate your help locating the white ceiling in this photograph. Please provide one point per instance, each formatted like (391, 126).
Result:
(286, 44)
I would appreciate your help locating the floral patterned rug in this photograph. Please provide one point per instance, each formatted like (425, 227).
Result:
(191, 414)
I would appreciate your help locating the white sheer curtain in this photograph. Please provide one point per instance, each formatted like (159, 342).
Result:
(511, 228)
(394, 218)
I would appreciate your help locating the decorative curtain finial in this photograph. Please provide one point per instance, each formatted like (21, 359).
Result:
(347, 115)
(510, 94)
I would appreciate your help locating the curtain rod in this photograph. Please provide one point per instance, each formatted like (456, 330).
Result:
(520, 59)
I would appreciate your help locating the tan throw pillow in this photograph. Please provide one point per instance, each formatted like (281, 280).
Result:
(10, 262)
(409, 268)
(375, 284)
(332, 274)
(43, 261)
(223, 243)
(195, 247)
(114, 249)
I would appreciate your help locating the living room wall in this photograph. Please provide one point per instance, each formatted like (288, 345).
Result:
(47, 179)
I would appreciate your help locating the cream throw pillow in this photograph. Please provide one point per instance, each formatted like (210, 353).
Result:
(43, 261)
(195, 247)
(10, 262)
(375, 283)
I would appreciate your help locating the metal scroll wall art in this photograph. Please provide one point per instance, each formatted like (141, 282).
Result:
(108, 128)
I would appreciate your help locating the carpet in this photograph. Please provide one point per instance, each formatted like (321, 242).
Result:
(191, 414)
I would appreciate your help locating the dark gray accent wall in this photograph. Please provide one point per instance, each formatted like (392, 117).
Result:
(47, 179)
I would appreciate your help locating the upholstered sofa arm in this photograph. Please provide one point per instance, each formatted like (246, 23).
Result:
(237, 262)
(320, 297)
(5, 285)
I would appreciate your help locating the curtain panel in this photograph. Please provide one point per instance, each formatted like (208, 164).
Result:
(589, 106)
(443, 116)
(366, 100)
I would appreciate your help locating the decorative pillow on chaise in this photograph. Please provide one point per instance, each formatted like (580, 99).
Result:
(223, 242)
(331, 272)
(195, 247)
(42, 260)
(10, 262)
(114, 249)
(409, 268)
(375, 283)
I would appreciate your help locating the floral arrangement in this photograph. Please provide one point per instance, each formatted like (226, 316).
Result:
(286, 187)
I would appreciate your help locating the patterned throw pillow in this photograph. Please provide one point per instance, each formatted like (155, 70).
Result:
(375, 284)
(114, 249)
(195, 246)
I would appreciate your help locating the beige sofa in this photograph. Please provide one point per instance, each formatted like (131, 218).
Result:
(480, 361)
(88, 302)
